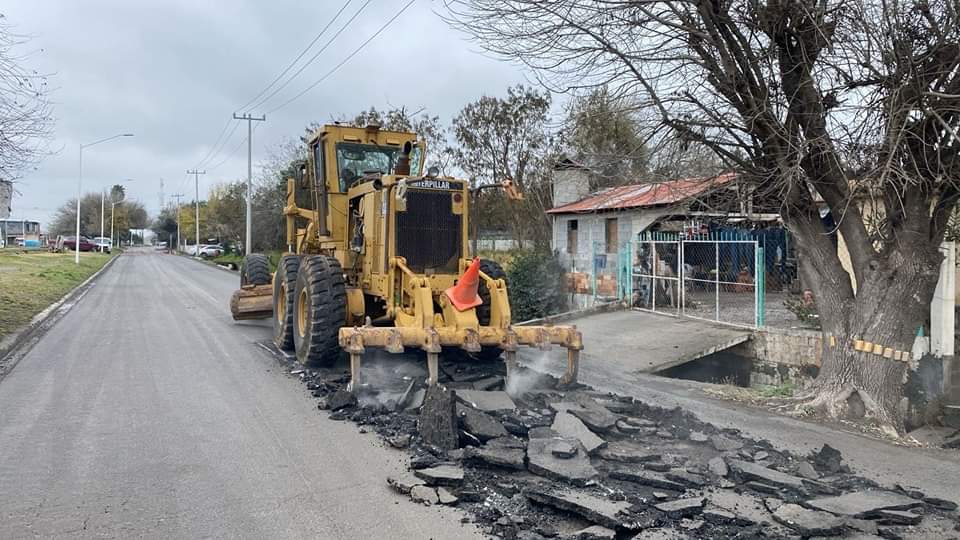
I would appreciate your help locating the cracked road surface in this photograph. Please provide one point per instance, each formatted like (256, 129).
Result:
(147, 411)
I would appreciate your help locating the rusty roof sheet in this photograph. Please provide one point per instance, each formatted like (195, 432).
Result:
(643, 195)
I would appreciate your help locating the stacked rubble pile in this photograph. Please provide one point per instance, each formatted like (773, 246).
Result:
(550, 462)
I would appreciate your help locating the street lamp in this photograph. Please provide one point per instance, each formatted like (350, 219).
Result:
(76, 245)
(113, 203)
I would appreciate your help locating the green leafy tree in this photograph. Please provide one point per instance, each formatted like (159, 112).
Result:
(500, 138)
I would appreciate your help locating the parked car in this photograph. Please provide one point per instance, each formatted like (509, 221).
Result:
(70, 243)
(102, 243)
(210, 251)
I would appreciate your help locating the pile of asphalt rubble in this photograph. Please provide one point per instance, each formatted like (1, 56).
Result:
(546, 461)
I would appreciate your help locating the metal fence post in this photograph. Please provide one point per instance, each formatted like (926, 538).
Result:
(761, 286)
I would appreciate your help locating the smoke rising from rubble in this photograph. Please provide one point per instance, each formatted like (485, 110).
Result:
(523, 380)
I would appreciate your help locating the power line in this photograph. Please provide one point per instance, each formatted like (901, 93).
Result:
(215, 152)
(299, 56)
(344, 61)
(215, 143)
(312, 58)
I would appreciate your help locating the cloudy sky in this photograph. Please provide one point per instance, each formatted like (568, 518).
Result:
(173, 71)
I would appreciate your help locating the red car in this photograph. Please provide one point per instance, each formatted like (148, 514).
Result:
(70, 243)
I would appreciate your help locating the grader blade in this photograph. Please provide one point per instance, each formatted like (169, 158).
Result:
(356, 340)
(252, 302)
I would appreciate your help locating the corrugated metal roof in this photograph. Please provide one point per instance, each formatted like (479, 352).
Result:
(643, 195)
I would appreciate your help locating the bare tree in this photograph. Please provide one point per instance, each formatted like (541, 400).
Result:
(499, 138)
(847, 105)
(26, 121)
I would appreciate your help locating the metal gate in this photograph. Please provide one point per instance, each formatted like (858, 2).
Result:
(656, 276)
(716, 279)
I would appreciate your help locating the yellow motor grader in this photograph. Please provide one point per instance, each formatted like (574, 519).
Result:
(377, 256)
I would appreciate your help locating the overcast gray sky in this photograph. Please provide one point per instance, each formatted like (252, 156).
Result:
(173, 71)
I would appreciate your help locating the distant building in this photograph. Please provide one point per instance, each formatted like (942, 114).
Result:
(15, 232)
(6, 198)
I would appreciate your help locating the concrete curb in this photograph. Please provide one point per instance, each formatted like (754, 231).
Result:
(208, 263)
(16, 345)
(576, 314)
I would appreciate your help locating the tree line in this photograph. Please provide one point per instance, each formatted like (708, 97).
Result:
(514, 136)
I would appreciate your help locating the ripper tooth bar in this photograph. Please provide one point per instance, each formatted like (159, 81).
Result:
(395, 340)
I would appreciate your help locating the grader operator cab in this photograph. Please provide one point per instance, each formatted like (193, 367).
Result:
(377, 256)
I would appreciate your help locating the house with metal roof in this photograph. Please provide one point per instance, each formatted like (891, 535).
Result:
(593, 231)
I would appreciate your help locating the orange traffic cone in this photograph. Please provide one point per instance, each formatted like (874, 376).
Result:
(464, 295)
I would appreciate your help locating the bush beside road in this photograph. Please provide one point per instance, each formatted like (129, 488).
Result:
(31, 281)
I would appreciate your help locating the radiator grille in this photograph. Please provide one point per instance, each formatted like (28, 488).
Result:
(429, 233)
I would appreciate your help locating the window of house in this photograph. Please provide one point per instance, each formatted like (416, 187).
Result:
(572, 237)
(610, 234)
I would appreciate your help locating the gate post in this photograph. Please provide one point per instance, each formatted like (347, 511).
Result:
(760, 282)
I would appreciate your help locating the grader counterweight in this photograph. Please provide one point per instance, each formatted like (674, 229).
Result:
(377, 256)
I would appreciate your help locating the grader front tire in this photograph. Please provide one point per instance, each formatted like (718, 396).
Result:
(255, 270)
(320, 309)
(284, 288)
(493, 269)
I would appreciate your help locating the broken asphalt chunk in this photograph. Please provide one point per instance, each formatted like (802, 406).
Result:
(441, 475)
(646, 478)
(437, 423)
(725, 444)
(763, 475)
(603, 512)
(404, 482)
(596, 532)
(542, 461)
(625, 452)
(682, 508)
(898, 517)
(718, 466)
(480, 424)
(425, 495)
(597, 418)
(506, 452)
(446, 497)
(341, 399)
(567, 425)
(487, 401)
(864, 503)
(808, 522)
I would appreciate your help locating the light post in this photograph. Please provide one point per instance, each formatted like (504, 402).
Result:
(76, 245)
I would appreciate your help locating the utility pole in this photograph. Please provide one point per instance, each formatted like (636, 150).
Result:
(177, 197)
(250, 119)
(161, 194)
(196, 204)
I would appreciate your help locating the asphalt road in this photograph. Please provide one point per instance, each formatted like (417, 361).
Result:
(147, 412)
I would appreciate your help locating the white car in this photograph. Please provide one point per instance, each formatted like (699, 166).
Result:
(102, 243)
(210, 250)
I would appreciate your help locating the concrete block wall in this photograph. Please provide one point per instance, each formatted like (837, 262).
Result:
(782, 356)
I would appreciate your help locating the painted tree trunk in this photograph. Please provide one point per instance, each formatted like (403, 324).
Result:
(890, 302)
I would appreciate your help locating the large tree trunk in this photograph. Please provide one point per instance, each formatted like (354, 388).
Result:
(891, 301)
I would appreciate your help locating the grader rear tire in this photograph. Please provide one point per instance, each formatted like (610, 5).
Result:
(320, 310)
(255, 270)
(284, 287)
(495, 271)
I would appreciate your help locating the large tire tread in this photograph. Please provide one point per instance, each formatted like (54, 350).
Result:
(255, 270)
(322, 278)
(495, 271)
(285, 283)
